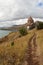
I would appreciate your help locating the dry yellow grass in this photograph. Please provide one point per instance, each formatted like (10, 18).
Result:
(19, 47)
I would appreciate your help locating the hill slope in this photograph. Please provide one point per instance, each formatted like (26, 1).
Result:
(14, 54)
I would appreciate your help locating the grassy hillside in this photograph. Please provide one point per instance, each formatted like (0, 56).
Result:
(14, 54)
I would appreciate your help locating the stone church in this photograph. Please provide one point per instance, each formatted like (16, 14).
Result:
(30, 23)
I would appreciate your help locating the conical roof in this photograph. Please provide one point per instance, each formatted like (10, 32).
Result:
(30, 20)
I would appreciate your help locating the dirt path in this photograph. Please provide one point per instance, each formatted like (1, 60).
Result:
(33, 54)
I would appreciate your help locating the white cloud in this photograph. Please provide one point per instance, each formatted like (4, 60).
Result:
(11, 23)
(11, 9)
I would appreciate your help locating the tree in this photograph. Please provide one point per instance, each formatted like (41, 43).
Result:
(23, 31)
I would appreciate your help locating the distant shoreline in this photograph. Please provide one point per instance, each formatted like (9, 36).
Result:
(12, 28)
(9, 30)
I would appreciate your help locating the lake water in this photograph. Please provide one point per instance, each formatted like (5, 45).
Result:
(4, 33)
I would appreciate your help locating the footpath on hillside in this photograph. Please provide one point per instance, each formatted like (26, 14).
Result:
(32, 56)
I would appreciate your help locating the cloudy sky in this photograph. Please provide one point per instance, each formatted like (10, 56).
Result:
(18, 9)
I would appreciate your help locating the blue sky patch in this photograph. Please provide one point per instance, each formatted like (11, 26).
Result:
(40, 4)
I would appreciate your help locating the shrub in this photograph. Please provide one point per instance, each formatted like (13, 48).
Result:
(39, 25)
(23, 31)
(12, 43)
